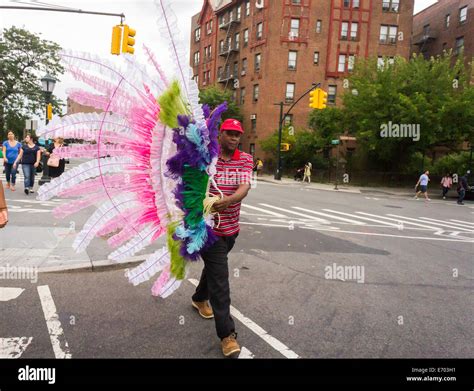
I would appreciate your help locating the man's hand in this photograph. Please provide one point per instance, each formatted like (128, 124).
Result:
(3, 218)
(222, 204)
(36, 165)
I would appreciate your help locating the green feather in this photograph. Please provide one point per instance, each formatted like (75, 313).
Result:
(171, 105)
(195, 190)
(178, 263)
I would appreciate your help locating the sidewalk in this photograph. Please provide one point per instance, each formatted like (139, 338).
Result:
(342, 188)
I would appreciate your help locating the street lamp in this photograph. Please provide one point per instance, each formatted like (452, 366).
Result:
(48, 83)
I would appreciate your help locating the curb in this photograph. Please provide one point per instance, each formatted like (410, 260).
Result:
(341, 190)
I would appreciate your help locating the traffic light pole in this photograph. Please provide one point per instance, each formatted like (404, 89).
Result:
(77, 11)
(278, 173)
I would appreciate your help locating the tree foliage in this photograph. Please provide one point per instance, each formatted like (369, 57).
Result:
(24, 59)
(214, 96)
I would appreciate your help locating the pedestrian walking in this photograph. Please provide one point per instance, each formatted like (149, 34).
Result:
(462, 188)
(423, 183)
(30, 157)
(307, 172)
(259, 166)
(55, 164)
(10, 150)
(446, 183)
(214, 283)
(3, 208)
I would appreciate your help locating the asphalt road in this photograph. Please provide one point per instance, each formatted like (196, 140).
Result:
(412, 295)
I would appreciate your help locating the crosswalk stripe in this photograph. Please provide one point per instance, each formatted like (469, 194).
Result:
(447, 223)
(400, 220)
(330, 216)
(297, 214)
(439, 225)
(463, 222)
(264, 210)
(362, 218)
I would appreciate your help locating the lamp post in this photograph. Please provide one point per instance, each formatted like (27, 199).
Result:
(48, 84)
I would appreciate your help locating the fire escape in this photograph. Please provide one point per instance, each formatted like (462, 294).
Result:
(229, 47)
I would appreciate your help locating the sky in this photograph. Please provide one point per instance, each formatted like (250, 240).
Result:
(92, 33)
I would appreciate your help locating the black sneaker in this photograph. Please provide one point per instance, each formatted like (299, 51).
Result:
(27, 191)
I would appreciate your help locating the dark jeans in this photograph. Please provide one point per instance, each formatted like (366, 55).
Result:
(29, 171)
(445, 191)
(462, 194)
(214, 284)
(10, 173)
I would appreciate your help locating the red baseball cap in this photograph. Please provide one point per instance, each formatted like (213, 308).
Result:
(232, 124)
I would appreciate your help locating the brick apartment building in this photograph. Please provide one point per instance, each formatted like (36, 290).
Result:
(447, 24)
(268, 51)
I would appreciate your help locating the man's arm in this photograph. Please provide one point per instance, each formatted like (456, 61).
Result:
(3, 208)
(238, 196)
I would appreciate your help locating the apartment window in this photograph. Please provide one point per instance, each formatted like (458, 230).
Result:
(256, 92)
(288, 119)
(242, 95)
(316, 58)
(350, 62)
(237, 41)
(236, 69)
(219, 72)
(341, 65)
(259, 31)
(253, 121)
(210, 27)
(347, 3)
(463, 14)
(239, 12)
(459, 45)
(221, 20)
(332, 93)
(246, 37)
(355, 3)
(447, 20)
(197, 34)
(221, 46)
(247, 8)
(295, 28)
(206, 54)
(388, 34)
(319, 26)
(383, 62)
(391, 5)
(344, 30)
(292, 56)
(296, 2)
(196, 58)
(258, 62)
(196, 79)
(354, 31)
(244, 66)
(290, 92)
(204, 78)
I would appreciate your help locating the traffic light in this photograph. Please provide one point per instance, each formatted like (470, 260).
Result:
(49, 111)
(318, 99)
(285, 147)
(323, 99)
(116, 40)
(127, 39)
(313, 99)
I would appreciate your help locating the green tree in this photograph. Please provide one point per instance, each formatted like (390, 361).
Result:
(24, 59)
(434, 94)
(214, 96)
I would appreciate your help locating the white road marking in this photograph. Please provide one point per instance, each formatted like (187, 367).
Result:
(400, 220)
(447, 224)
(56, 333)
(7, 294)
(391, 236)
(272, 341)
(429, 222)
(362, 218)
(322, 221)
(13, 347)
(245, 353)
(330, 216)
(462, 222)
(264, 211)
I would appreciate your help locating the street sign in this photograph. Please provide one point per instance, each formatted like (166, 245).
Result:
(335, 142)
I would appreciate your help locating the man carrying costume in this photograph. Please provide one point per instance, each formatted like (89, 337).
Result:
(233, 178)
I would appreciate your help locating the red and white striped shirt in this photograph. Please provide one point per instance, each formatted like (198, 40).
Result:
(230, 175)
